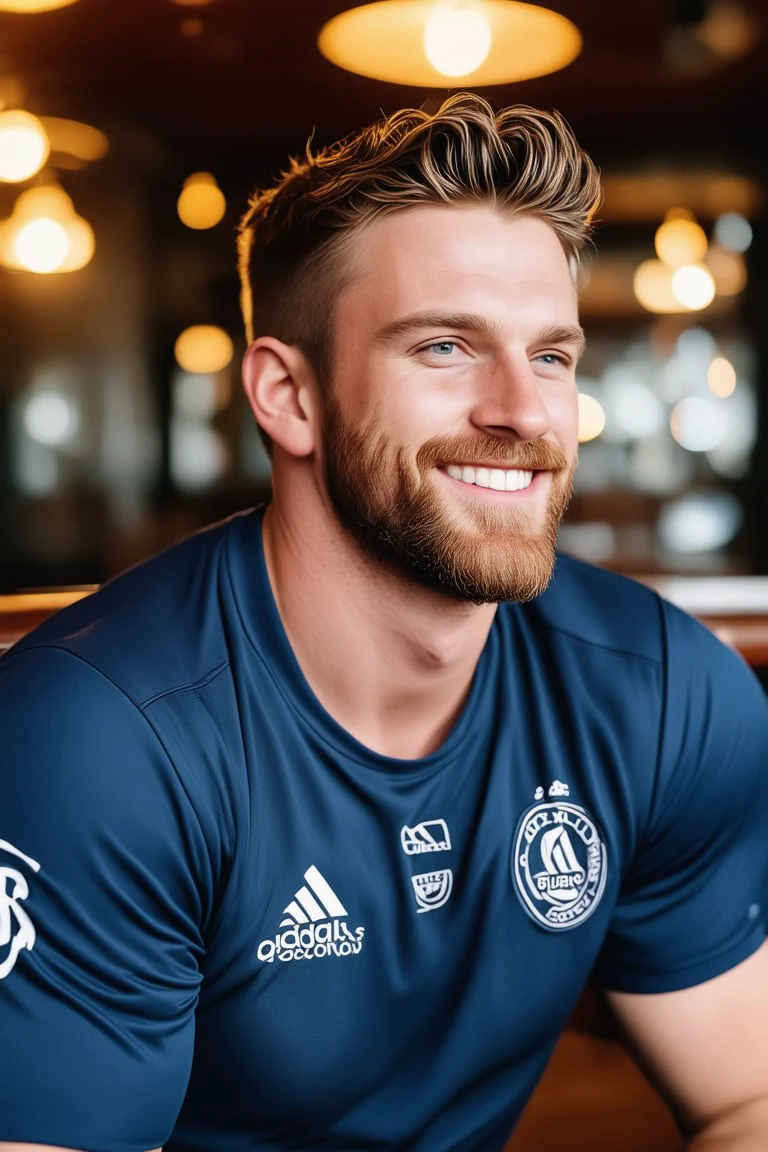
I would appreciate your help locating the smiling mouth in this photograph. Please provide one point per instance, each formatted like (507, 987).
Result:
(498, 479)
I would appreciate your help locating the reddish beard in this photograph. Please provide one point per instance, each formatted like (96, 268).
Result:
(394, 508)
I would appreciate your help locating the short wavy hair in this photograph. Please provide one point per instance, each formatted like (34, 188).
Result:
(292, 238)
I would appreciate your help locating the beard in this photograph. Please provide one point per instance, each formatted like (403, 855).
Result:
(393, 507)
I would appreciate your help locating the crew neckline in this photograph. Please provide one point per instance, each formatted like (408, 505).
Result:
(263, 627)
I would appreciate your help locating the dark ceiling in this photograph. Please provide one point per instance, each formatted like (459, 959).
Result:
(212, 84)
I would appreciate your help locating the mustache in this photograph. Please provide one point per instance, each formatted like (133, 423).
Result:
(528, 455)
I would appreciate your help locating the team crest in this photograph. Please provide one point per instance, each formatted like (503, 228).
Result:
(432, 889)
(558, 863)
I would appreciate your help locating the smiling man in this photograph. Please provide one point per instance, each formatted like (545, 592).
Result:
(337, 806)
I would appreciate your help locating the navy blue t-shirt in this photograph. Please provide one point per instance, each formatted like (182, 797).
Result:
(226, 925)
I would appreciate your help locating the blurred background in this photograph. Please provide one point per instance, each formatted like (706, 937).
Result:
(131, 133)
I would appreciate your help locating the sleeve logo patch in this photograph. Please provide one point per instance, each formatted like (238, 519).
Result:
(17, 932)
(558, 865)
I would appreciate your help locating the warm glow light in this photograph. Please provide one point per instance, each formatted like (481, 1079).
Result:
(693, 286)
(386, 40)
(73, 139)
(31, 6)
(41, 246)
(652, 286)
(721, 377)
(591, 417)
(24, 146)
(680, 241)
(201, 203)
(44, 234)
(203, 348)
(457, 39)
(729, 270)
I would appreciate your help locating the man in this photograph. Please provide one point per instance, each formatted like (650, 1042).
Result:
(316, 825)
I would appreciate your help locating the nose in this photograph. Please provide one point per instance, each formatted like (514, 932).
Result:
(509, 400)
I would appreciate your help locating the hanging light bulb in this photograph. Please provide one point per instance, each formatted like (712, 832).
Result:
(24, 146)
(201, 203)
(44, 234)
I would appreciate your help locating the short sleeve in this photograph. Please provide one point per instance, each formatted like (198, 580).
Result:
(101, 868)
(694, 900)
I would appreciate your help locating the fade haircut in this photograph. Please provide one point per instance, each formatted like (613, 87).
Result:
(293, 237)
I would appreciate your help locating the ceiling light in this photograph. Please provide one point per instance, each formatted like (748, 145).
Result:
(420, 42)
(29, 7)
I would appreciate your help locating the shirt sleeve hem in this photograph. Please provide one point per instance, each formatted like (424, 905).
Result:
(674, 981)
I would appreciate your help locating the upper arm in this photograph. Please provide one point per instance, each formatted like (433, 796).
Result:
(40, 1148)
(100, 917)
(704, 1047)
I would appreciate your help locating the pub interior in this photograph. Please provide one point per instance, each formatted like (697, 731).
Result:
(131, 132)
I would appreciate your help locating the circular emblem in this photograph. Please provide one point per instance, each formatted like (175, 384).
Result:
(558, 865)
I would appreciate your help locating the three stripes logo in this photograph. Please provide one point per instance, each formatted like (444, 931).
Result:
(314, 925)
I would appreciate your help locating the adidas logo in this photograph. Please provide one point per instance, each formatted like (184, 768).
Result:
(314, 924)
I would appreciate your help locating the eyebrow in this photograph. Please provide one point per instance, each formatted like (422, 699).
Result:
(556, 334)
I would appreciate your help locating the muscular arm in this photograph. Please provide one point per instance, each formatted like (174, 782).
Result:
(706, 1049)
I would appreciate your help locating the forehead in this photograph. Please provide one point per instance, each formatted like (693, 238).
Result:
(458, 258)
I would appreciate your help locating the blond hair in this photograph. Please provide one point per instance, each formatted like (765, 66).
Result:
(292, 238)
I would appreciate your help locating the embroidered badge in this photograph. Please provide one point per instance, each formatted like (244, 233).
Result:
(558, 862)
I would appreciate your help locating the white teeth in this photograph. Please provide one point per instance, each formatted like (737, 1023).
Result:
(499, 479)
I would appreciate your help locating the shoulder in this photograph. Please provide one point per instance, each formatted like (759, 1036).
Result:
(601, 608)
(155, 628)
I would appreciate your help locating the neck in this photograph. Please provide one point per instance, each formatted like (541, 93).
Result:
(391, 661)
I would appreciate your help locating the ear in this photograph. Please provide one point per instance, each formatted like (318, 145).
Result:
(281, 388)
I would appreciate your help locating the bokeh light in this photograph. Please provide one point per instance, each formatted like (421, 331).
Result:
(591, 417)
(693, 286)
(203, 348)
(697, 424)
(721, 377)
(201, 203)
(680, 240)
(24, 146)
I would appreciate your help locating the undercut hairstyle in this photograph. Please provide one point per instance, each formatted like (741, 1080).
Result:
(293, 237)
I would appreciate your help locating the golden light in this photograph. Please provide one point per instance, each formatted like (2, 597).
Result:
(457, 39)
(591, 417)
(721, 377)
(33, 6)
(680, 240)
(203, 348)
(44, 234)
(24, 146)
(693, 286)
(387, 40)
(201, 203)
(652, 285)
(77, 141)
(729, 270)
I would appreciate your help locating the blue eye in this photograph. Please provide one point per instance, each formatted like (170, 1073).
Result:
(442, 347)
